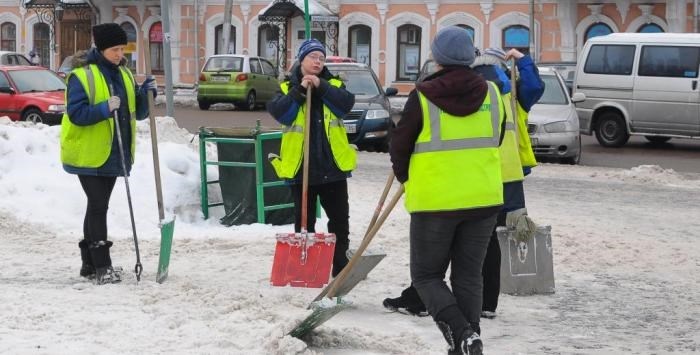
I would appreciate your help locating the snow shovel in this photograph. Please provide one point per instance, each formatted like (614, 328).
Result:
(303, 259)
(138, 268)
(345, 282)
(325, 309)
(167, 228)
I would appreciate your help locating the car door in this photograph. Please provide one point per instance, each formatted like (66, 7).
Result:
(256, 77)
(666, 94)
(8, 104)
(271, 83)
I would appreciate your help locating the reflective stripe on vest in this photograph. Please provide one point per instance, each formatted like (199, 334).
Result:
(90, 146)
(457, 166)
(511, 167)
(292, 145)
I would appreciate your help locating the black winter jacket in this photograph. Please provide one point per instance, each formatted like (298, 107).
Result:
(284, 108)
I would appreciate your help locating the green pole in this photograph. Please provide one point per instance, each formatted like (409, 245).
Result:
(307, 19)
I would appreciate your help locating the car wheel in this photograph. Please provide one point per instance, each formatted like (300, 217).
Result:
(32, 115)
(611, 130)
(250, 101)
(657, 139)
(203, 105)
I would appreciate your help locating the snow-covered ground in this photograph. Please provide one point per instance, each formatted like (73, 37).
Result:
(626, 255)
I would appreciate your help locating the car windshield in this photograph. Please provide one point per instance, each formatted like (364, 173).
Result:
(358, 82)
(228, 64)
(36, 80)
(553, 94)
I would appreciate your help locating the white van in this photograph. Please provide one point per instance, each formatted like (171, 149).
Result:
(639, 84)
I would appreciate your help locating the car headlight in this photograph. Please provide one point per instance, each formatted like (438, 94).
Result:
(377, 114)
(57, 108)
(560, 126)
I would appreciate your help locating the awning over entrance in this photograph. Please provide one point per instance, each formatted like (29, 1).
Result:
(292, 8)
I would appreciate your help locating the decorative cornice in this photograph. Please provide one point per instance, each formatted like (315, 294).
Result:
(432, 10)
(245, 10)
(595, 11)
(646, 12)
(382, 8)
(623, 7)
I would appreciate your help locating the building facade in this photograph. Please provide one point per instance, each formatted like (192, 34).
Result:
(392, 36)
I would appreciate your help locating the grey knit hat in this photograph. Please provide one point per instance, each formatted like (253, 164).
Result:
(452, 45)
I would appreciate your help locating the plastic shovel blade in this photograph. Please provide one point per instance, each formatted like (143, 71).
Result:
(323, 310)
(166, 243)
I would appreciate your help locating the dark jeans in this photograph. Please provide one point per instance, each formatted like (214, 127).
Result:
(334, 200)
(440, 241)
(514, 198)
(98, 190)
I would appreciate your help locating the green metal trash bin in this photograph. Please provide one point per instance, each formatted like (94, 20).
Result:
(250, 189)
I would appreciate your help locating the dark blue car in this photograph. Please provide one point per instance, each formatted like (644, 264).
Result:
(369, 123)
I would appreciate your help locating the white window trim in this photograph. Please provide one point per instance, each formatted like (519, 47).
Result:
(646, 20)
(509, 19)
(216, 20)
(459, 18)
(587, 22)
(359, 18)
(140, 64)
(14, 19)
(392, 25)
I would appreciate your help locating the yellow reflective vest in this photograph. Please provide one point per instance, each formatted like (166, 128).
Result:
(90, 146)
(511, 166)
(292, 146)
(527, 156)
(456, 164)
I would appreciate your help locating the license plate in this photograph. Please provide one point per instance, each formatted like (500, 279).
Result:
(533, 141)
(220, 79)
(350, 128)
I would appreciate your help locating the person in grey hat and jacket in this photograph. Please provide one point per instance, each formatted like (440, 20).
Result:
(445, 152)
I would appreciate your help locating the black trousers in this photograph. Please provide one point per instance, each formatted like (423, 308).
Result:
(440, 241)
(513, 199)
(98, 190)
(334, 200)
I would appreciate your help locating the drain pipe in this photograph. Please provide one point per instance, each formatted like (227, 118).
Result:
(695, 16)
(196, 37)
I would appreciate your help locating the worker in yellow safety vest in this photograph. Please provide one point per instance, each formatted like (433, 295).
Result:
(445, 150)
(101, 88)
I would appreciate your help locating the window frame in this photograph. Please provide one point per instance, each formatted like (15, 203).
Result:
(587, 70)
(4, 41)
(504, 38)
(655, 72)
(414, 42)
(359, 27)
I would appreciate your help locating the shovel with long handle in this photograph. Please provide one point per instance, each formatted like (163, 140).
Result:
(514, 99)
(137, 268)
(323, 311)
(166, 227)
(377, 211)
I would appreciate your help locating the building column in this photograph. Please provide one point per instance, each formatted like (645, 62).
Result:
(567, 13)
(676, 16)
(105, 11)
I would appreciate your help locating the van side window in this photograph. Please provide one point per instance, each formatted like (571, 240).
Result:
(669, 61)
(610, 59)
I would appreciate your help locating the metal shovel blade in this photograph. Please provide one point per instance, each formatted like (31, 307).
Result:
(166, 242)
(358, 273)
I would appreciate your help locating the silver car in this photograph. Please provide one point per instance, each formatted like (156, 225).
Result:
(553, 123)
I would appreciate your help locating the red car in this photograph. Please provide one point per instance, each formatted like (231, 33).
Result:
(31, 93)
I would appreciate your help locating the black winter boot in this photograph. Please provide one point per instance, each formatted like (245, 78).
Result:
(104, 272)
(408, 303)
(108, 275)
(471, 343)
(451, 322)
(87, 269)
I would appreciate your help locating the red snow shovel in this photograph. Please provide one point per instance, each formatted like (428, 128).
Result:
(303, 259)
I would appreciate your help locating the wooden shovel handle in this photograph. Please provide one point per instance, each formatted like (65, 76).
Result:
(305, 171)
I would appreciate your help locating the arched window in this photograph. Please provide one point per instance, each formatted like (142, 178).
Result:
(359, 43)
(268, 43)
(518, 37)
(650, 28)
(8, 35)
(219, 47)
(42, 43)
(598, 29)
(155, 42)
(469, 29)
(408, 52)
(130, 45)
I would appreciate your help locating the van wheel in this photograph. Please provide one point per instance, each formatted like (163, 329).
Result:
(611, 130)
(203, 105)
(657, 139)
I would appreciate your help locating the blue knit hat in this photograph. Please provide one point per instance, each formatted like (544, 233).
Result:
(452, 45)
(310, 45)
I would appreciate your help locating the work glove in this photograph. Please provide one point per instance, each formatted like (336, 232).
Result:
(113, 103)
(272, 156)
(150, 84)
(522, 224)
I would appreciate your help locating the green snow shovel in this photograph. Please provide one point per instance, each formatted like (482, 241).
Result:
(166, 227)
(324, 306)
